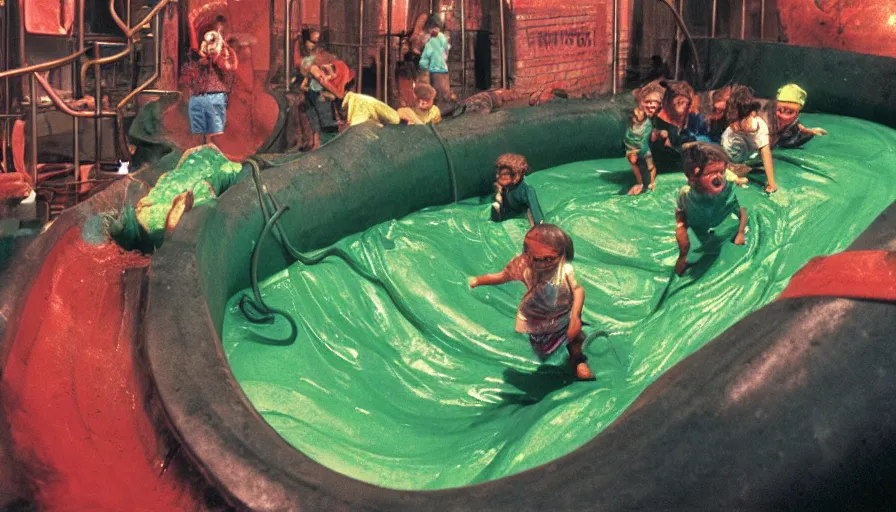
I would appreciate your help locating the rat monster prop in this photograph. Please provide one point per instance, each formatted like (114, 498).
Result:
(707, 204)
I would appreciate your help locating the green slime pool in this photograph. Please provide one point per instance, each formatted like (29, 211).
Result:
(365, 393)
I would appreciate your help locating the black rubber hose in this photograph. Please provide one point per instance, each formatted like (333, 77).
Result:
(684, 29)
(451, 171)
(256, 311)
(314, 259)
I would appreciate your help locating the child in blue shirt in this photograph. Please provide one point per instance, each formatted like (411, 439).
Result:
(707, 204)
(434, 61)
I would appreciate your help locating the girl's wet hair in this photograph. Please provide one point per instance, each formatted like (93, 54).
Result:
(701, 154)
(553, 237)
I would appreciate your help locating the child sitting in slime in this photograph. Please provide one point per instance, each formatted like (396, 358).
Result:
(707, 204)
(638, 134)
(513, 196)
(551, 310)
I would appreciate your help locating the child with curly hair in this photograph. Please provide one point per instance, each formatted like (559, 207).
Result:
(513, 196)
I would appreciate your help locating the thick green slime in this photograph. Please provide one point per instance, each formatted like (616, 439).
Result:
(366, 394)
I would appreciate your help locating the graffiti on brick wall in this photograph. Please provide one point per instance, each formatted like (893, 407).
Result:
(557, 39)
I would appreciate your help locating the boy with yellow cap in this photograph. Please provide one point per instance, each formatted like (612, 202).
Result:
(784, 116)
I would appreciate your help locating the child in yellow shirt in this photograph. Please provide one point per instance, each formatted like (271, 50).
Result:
(424, 111)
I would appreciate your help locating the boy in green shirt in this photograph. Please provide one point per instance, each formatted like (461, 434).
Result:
(707, 204)
(514, 196)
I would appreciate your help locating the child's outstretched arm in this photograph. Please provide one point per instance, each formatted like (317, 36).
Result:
(769, 165)
(739, 238)
(684, 243)
(489, 279)
(812, 131)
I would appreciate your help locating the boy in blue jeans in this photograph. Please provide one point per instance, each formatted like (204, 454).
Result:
(209, 75)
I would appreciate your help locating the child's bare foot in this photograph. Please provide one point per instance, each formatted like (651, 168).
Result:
(637, 189)
(652, 186)
(771, 189)
(583, 372)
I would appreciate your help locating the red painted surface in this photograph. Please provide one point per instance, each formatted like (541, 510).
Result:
(170, 45)
(52, 18)
(563, 42)
(72, 392)
(862, 26)
(853, 274)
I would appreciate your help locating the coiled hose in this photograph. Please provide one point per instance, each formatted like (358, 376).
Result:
(255, 310)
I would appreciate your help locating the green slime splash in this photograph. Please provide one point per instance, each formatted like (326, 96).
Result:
(366, 394)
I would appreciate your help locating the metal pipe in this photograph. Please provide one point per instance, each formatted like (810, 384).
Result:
(98, 107)
(77, 86)
(743, 19)
(388, 51)
(127, 29)
(503, 49)
(76, 92)
(287, 43)
(102, 60)
(712, 24)
(119, 116)
(62, 105)
(7, 101)
(463, 51)
(160, 92)
(761, 20)
(32, 151)
(678, 41)
(615, 44)
(360, 43)
(41, 67)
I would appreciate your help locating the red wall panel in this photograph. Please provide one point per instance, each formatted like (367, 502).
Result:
(564, 43)
(862, 26)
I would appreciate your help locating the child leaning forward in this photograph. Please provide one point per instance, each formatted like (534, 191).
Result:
(551, 310)
(513, 196)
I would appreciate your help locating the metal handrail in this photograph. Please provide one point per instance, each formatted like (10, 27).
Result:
(157, 50)
(45, 66)
(62, 106)
(130, 31)
(99, 61)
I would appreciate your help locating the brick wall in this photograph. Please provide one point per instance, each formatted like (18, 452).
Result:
(564, 42)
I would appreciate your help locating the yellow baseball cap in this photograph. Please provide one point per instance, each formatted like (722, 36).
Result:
(792, 93)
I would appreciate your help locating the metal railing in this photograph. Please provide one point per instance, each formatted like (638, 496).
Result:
(34, 78)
